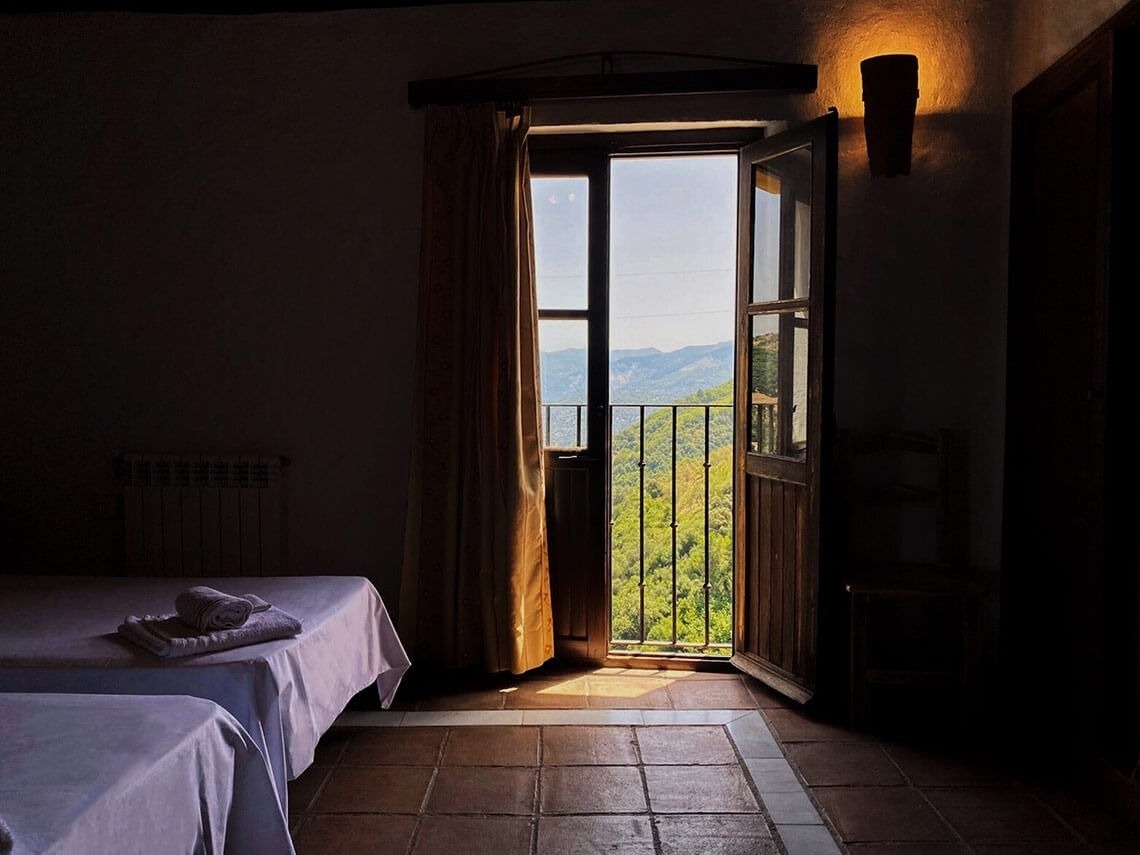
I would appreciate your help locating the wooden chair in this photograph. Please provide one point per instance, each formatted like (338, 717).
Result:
(908, 556)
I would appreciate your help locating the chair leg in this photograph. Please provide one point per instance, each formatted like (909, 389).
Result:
(858, 701)
(971, 658)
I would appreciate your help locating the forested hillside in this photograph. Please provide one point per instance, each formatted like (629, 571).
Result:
(626, 508)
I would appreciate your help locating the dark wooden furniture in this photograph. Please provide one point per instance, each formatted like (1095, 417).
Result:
(914, 598)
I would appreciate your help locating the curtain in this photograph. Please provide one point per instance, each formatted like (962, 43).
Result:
(476, 579)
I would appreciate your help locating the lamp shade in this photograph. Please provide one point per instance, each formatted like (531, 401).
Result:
(890, 95)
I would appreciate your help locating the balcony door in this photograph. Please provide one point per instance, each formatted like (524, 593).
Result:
(783, 405)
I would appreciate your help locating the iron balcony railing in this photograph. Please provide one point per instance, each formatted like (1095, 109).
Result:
(655, 450)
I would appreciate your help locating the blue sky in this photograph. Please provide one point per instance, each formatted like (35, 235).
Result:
(672, 251)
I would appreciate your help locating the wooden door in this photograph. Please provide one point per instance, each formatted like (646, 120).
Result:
(1053, 587)
(783, 402)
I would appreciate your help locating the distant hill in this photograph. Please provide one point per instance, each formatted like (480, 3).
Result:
(642, 376)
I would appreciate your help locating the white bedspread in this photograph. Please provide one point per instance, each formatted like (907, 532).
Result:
(59, 634)
(94, 774)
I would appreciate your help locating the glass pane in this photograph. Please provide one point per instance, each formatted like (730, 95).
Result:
(799, 386)
(781, 195)
(778, 385)
(561, 240)
(563, 367)
(765, 236)
(673, 236)
(803, 249)
(763, 385)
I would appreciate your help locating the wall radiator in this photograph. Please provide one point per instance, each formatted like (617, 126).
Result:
(202, 515)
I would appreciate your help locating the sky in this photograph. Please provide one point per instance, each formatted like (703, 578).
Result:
(672, 252)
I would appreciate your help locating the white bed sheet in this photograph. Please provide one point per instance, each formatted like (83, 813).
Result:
(59, 634)
(94, 774)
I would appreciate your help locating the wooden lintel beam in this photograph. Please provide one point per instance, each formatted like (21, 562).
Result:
(775, 78)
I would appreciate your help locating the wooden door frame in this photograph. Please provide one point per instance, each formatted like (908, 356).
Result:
(590, 153)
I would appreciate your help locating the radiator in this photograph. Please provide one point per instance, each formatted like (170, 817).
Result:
(202, 515)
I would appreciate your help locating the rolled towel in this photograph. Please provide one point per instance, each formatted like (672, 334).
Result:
(208, 609)
(6, 841)
(168, 636)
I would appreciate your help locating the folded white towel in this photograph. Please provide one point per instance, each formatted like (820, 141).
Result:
(6, 841)
(169, 637)
(207, 609)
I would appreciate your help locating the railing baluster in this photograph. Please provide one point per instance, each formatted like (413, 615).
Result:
(641, 512)
(708, 585)
(578, 429)
(673, 523)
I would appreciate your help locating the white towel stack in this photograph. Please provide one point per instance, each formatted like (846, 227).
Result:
(207, 620)
(207, 609)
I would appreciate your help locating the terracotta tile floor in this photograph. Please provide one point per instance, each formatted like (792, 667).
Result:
(618, 760)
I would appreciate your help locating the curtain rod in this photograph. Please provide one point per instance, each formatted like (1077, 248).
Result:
(480, 87)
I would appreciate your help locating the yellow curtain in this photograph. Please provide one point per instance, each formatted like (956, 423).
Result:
(476, 580)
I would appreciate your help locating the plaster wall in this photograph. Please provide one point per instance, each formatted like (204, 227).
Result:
(1044, 30)
(210, 238)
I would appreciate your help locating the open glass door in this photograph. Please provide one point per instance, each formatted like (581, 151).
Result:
(785, 298)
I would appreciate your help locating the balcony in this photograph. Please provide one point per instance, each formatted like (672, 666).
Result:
(670, 523)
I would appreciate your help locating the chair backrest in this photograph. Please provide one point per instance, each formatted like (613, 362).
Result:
(906, 496)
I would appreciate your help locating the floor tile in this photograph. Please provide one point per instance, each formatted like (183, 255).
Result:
(580, 835)
(689, 716)
(491, 699)
(882, 814)
(694, 744)
(1088, 811)
(353, 834)
(492, 746)
(473, 835)
(810, 840)
(710, 694)
(843, 763)
(582, 717)
(394, 746)
(591, 789)
(304, 787)
(548, 694)
(699, 789)
(620, 692)
(332, 745)
(484, 789)
(716, 835)
(912, 849)
(773, 776)
(445, 718)
(793, 726)
(577, 746)
(998, 816)
(369, 718)
(752, 738)
(932, 766)
(376, 789)
(791, 808)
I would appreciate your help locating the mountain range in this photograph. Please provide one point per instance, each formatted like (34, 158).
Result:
(642, 376)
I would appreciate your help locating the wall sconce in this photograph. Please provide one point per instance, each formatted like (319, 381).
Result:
(890, 94)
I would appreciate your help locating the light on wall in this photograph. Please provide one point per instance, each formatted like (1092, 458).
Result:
(890, 95)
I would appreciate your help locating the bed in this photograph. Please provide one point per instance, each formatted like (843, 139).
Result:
(133, 774)
(59, 634)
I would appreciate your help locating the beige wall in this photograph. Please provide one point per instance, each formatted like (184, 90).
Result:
(210, 240)
(1044, 30)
